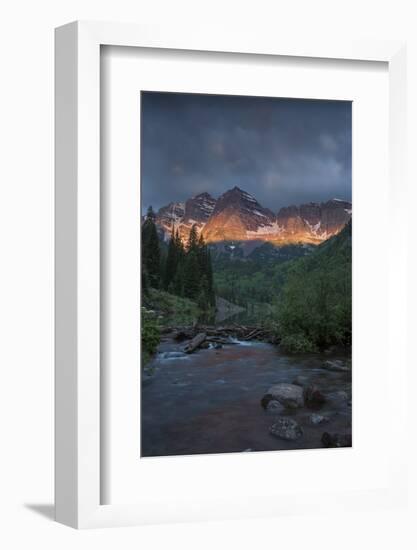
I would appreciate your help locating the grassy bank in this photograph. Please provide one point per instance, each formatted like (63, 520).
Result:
(169, 309)
(161, 309)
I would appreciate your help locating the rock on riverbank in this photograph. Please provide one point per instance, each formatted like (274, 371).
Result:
(289, 395)
(286, 428)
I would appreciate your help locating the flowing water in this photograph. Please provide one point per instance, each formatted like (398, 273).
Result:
(209, 401)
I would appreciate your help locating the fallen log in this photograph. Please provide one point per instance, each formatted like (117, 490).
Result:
(220, 334)
(195, 342)
(220, 340)
(253, 334)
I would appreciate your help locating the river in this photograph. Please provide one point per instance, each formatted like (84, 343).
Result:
(209, 401)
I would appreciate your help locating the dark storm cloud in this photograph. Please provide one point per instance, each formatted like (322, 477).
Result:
(282, 151)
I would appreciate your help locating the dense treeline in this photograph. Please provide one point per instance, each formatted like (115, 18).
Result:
(247, 283)
(183, 270)
(251, 281)
(314, 309)
(151, 253)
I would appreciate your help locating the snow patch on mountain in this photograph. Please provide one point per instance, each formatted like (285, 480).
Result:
(272, 229)
(313, 228)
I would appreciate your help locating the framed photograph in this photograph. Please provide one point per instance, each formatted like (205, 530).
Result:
(262, 294)
(228, 213)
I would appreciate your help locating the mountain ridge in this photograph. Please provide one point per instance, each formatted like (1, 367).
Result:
(237, 216)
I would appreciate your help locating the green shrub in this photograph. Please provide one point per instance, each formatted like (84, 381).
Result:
(298, 343)
(150, 335)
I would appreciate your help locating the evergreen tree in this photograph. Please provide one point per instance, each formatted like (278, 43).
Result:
(171, 262)
(206, 271)
(203, 296)
(210, 282)
(151, 254)
(180, 248)
(191, 275)
(178, 283)
(145, 283)
(192, 245)
(201, 254)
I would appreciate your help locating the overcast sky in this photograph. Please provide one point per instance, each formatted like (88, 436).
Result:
(282, 151)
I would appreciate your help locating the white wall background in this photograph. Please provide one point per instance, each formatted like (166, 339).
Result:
(26, 269)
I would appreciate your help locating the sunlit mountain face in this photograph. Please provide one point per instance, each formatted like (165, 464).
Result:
(237, 216)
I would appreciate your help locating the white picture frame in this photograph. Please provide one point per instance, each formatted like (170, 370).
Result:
(78, 404)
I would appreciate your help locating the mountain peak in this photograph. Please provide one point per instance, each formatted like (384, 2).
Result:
(203, 195)
(236, 215)
(237, 196)
(198, 209)
(238, 191)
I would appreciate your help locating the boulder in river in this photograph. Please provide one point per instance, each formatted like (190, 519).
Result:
(275, 407)
(286, 428)
(300, 380)
(338, 398)
(313, 396)
(336, 440)
(316, 419)
(289, 395)
(336, 366)
(266, 399)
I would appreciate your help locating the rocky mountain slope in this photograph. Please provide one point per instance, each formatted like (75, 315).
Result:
(236, 216)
